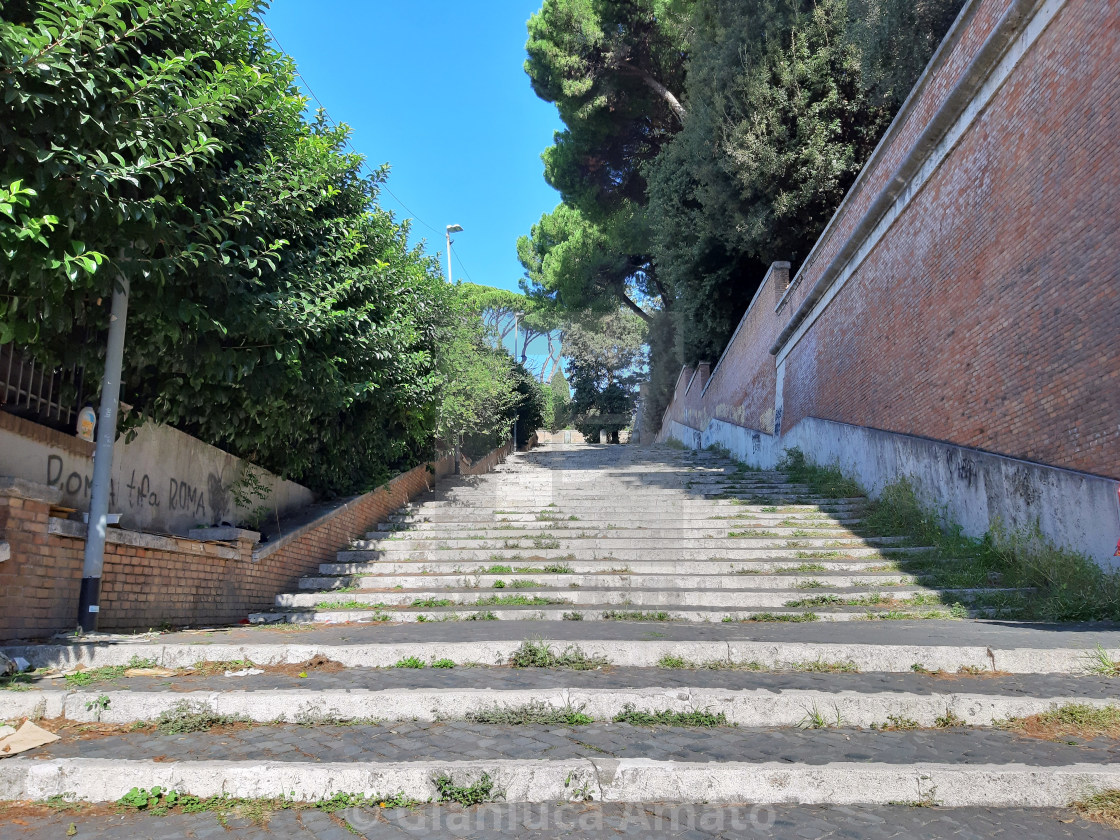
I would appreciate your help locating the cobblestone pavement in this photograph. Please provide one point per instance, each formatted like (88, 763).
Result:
(498, 678)
(690, 822)
(928, 632)
(463, 741)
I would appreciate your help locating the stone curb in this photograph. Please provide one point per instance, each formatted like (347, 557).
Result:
(748, 708)
(605, 779)
(734, 600)
(637, 582)
(643, 654)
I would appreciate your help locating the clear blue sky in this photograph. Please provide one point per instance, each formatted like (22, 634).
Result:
(437, 90)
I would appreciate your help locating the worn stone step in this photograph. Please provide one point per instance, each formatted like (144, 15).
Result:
(608, 612)
(577, 537)
(754, 549)
(932, 645)
(617, 762)
(688, 527)
(620, 503)
(855, 560)
(592, 820)
(403, 694)
(800, 582)
(754, 598)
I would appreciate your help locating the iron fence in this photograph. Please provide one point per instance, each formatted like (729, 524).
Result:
(52, 396)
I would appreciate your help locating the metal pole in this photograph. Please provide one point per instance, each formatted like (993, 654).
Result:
(89, 598)
(516, 323)
(448, 255)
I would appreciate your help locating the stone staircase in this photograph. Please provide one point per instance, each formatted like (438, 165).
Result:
(687, 538)
(601, 625)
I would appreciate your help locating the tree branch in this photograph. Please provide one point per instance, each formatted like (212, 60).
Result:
(658, 88)
(641, 313)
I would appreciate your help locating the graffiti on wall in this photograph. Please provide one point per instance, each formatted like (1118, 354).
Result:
(141, 493)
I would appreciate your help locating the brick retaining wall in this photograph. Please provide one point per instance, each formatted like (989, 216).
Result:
(152, 581)
(967, 290)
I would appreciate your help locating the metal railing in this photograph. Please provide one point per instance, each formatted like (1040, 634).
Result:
(48, 395)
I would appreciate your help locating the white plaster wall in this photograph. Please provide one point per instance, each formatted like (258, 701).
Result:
(164, 480)
(971, 488)
(975, 489)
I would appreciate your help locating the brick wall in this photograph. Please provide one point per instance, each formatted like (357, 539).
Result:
(151, 581)
(487, 462)
(989, 315)
(971, 298)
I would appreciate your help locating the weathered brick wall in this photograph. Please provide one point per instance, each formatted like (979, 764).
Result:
(149, 582)
(680, 406)
(38, 586)
(486, 463)
(987, 314)
(741, 388)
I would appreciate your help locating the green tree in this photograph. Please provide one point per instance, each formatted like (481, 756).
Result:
(529, 409)
(792, 124)
(575, 266)
(478, 382)
(561, 396)
(276, 311)
(607, 361)
(615, 71)
(786, 102)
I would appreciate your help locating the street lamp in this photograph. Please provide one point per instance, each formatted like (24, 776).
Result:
(450, 230)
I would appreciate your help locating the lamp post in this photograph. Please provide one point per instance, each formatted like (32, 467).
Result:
(450, 230)
(89, 595)
(516, 322)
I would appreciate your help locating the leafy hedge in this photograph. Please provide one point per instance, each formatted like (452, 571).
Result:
(276, 310)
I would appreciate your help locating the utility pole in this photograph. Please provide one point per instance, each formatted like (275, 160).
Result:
(89, 596)
(516, 323)
(450, 230)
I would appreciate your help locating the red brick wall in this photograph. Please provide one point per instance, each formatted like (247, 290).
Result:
(38, 584)
(988, 314)
(741, 389)
(183, 581)
(487, 462)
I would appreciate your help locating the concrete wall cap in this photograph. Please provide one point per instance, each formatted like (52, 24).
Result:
(21, 488)
(224, 534)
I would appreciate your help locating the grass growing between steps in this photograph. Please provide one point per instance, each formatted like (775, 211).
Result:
(159, 802)
(1100, 663)
(517, 601)
(1071, 720)
(537, 654)
(477, 793)
(108, 672)
(636, 615)
(1102, 807)
(184, 718)
(700, 719)
(537, 712)
(1062, 585)
(813, 666)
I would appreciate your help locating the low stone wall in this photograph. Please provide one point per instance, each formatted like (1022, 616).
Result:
(487, 462)
(152, 581)
(162, 480)
(563, 436)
